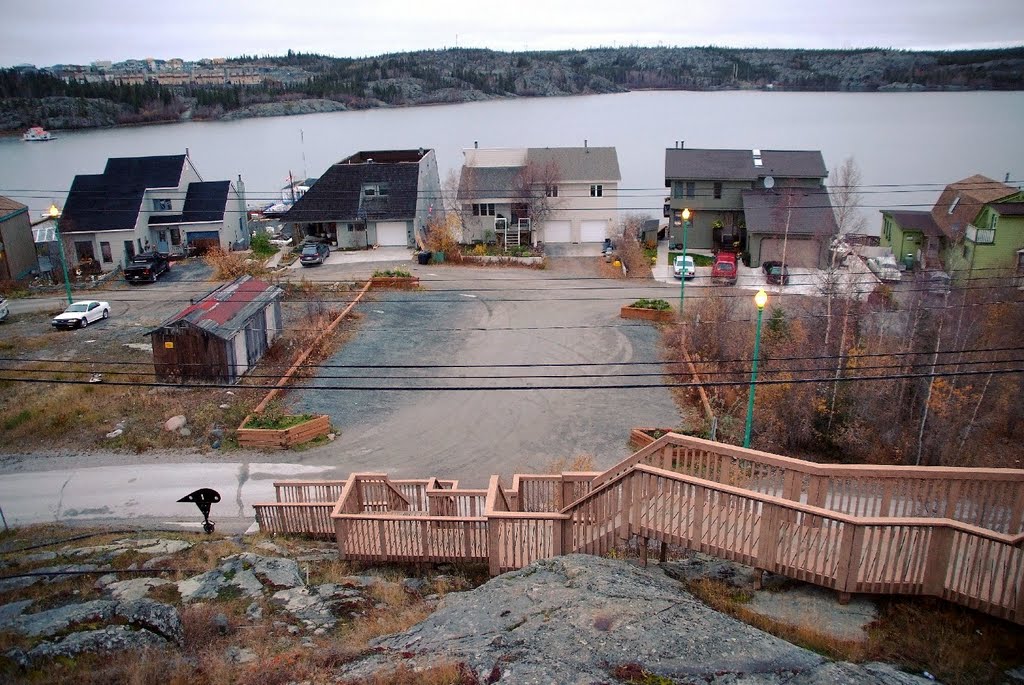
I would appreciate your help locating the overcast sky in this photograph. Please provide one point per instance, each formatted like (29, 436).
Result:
(45, 32)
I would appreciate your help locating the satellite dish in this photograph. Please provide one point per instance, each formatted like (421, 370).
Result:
(769, 182)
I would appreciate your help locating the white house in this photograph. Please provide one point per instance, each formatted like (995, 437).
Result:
(143, 203)
(573, 189)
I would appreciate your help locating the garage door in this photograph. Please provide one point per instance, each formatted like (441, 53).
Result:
(392, 233)
(593, 231)
(557, 232)
(800, 252)
(202, 241)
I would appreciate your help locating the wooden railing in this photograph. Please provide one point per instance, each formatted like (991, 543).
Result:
(893, 530)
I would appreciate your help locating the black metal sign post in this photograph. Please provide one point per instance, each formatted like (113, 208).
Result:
(203, 498)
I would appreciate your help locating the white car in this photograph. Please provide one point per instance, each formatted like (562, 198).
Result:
(4, 311)
(81, 314)
(684, 267)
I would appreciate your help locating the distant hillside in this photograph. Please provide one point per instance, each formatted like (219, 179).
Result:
(461, 75)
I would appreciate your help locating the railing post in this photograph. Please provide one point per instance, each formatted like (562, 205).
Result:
(849, 559)
(768, 539)
(625, 506)
(556, 536)
(940, 549)
(1017, 518)
(697, 522)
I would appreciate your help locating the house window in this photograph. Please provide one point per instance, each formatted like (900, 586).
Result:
(953, 204)
(551, 191)
(129, 250)
(175, 236)
(597, 190)
(485, 209)
(677, 189)
(691, 189)
(992, 221)
(375, 189)
(161, 204)
(1020, 262)
(888, 229)
(718, 190)
(105, 251)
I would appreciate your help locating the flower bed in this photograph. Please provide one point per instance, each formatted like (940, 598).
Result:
(648, 310)
(394, 278)
(286, 431)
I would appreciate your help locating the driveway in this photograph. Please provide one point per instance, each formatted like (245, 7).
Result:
(477, 319)
(377, 254)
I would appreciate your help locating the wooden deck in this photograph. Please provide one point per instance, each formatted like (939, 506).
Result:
(946, 532)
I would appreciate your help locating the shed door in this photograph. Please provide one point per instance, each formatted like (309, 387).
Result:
(593, 231)
(392, 233)
(557, 232)
(800, 252)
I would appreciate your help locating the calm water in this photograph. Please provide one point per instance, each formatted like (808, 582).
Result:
(920, 140)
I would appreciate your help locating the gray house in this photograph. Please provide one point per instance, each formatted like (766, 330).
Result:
(17, 251)
(376, 197)
(764, 201)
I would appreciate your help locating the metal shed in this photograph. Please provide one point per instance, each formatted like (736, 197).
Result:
(220, 336)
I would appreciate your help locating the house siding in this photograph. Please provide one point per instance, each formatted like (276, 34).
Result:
(971, 260)
(19, 253)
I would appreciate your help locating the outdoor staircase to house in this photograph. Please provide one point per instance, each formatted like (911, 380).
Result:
(948, 532)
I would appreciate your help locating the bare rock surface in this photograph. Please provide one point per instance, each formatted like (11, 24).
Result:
(135, 588)
(574, 619)
(320, 606)
(106, 640)
(243, 574)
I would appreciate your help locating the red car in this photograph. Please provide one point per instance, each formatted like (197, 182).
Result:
(723, 269)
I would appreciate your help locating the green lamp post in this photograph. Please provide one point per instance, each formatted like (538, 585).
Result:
(55, 215)
(682, 275)
(761, 299)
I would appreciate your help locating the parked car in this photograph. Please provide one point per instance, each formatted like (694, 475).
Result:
(81, 314)
(939, 283)
(146, 267)
(4, 311)
(314, 253)
(885, 268)
(775, 272)
(723, 269)
(683, 267)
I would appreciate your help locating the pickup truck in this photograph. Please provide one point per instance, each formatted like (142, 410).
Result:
(146, 267)
(723, 269)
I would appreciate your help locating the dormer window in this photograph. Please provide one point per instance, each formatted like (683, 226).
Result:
(161, 204)
(953, 204)
(375, 189)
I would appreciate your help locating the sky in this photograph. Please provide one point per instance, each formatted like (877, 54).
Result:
(46, 32)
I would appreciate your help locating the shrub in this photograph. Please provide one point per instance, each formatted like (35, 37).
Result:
(441, 236)
(391, 273)
(260, 245)
(229, 265)
(657, 305)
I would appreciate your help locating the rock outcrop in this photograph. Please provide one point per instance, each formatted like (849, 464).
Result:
(581, 619)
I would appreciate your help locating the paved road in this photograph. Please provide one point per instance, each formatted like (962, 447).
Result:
(484, 317)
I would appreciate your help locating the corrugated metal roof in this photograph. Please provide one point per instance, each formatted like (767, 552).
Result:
(224, 311)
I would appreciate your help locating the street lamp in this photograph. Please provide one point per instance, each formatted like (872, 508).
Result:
(682, 274)
(55, 215)
(761, 299)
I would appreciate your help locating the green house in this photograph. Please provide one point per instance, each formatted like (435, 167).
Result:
(983, 224)
(913, 236)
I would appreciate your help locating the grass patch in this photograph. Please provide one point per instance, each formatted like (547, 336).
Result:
(698, 259)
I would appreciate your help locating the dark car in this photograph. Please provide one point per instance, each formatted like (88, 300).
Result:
(146, 267)
(314, 253)
(776, 272)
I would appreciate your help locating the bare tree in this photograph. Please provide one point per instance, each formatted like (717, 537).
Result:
(845, 194)
(536, 189)
(455, 205)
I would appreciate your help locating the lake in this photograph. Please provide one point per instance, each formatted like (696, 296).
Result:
(908, 145)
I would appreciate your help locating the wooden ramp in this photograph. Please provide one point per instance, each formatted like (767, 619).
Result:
(946, 532)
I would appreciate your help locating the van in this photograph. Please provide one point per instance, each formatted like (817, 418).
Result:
(723, 269)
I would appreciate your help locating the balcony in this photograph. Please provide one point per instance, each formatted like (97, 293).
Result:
(980, 236)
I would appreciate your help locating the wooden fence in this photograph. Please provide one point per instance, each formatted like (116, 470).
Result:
(951, 533)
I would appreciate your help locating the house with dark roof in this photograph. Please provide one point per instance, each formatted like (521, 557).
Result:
(371, 198)
(771, 203)
(539, 195)
(220, 336)
(17, 251)
(143, 203)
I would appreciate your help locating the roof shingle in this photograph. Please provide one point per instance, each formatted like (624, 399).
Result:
(738, 165)
(807, 212)
(961, 202)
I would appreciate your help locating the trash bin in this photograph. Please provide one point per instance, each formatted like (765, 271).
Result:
(439, 258)
(908, 261)
(423, 258)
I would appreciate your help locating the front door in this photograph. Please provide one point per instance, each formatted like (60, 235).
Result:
(161, 242)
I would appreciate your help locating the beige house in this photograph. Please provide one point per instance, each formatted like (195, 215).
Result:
(539, 195)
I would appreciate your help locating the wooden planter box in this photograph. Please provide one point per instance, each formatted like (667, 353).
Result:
(656, 315)
(639, 437)
(399, 282)
(284, 438)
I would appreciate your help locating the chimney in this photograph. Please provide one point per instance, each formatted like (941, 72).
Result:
(1007, 178)
(682, 144)
(476, 144)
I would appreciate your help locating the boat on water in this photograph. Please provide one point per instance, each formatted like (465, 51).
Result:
(37, 133)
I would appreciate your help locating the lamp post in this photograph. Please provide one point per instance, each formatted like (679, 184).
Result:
(682, 275)
(55, 215)
(761, 299)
